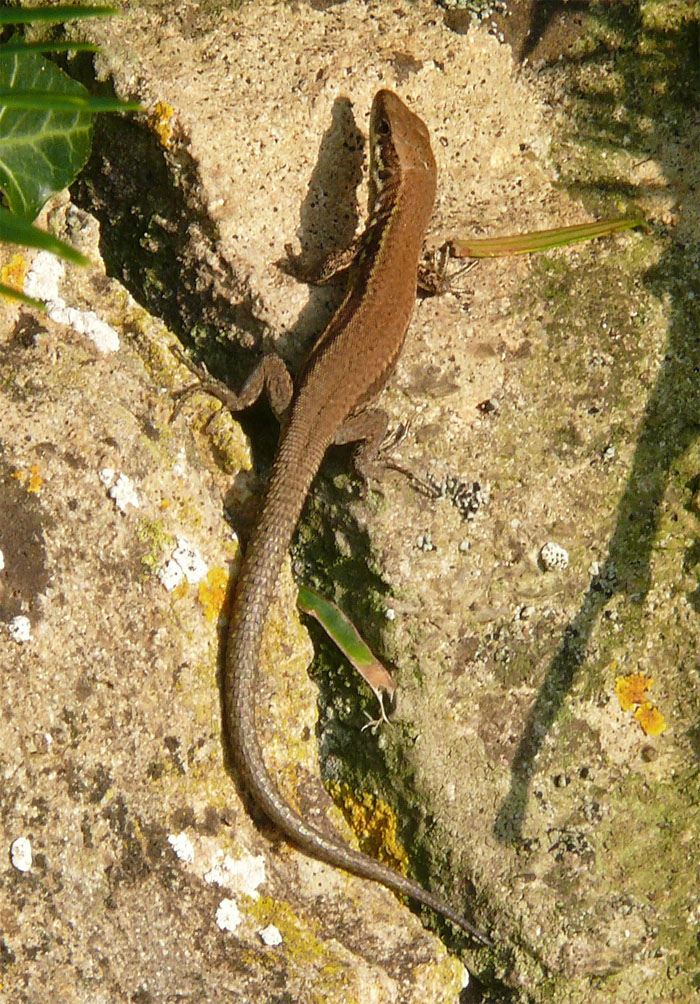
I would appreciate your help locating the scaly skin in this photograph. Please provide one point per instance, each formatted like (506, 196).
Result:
(348, 366)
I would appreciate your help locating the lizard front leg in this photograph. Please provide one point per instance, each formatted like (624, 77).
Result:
(270, 375)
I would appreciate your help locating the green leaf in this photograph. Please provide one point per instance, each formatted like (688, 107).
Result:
(63, 102)
(350, 642)
(19, 46)
(14, 294)
(539, 240)
(63, 12)
(16, 231)
(41, 150)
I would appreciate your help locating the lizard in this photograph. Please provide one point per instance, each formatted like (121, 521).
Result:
(347, 367)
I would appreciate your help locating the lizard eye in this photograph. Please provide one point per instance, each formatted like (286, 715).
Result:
(382, 127)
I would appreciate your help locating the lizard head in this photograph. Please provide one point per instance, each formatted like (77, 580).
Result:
(399, 145)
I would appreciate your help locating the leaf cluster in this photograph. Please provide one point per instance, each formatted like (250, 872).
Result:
(46, 121)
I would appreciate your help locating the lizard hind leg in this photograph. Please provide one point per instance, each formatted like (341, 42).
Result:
(376, 445)
(368, 429)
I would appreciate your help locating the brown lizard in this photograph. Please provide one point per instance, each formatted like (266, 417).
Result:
(347, 367)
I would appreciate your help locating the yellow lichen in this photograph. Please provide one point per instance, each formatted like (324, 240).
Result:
(162, 122)
(650, 718)
(212, 593)
(14, 272)
(374, 823)
(31, 479)
(631, 690)
(35, 479)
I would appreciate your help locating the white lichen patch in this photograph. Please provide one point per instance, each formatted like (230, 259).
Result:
(170, 575)
(123, 493)
(185, 563)
(183, 847)
(190, 561)
(20, 629)
(42, 279)
(21, 854)
(42, 282)
(107, 476)
(228, 916)
(242, 874)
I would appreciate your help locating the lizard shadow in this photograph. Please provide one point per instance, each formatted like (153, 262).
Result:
(670, 426)
(328, 221)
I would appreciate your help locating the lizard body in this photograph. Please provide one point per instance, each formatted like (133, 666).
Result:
(348, 366)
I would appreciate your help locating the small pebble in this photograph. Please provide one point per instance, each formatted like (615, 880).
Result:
(270, 935)
(20, 629)
(21, 854)
(554, 557)
(649, 754)
(425, 542)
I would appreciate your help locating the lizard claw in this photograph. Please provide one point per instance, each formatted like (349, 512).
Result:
(373, 723)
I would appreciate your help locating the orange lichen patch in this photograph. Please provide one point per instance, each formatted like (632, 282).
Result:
(31, 479)
(35, 479)
(212, 593)
(374, 822)
(162, 122)
(14, 272)
(650, 718)
(179, 592)
(632, 693)
(631, 690)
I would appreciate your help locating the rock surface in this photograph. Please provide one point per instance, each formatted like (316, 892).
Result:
(516, 776)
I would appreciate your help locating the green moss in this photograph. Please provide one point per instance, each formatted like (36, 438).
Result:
(651, 850)
(157, 541)
(306, 944)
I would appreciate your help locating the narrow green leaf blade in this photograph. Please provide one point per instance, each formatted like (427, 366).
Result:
(41, 150)
(51, 101)
(539, 240)
(14, 294)
(17, 231)
(62, 12)
(348, 639)
(21, 46)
